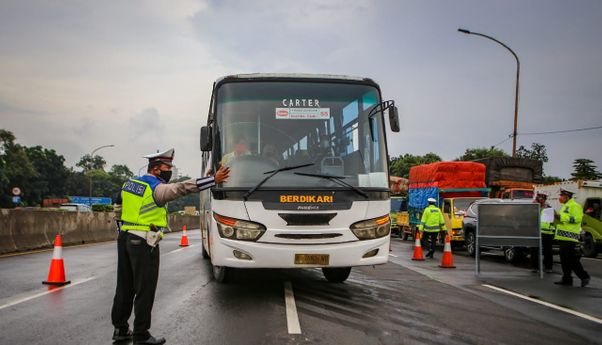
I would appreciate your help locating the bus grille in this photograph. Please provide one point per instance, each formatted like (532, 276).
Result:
(307, 218)
(307, 236)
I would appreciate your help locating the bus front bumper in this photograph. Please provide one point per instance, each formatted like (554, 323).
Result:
(273, 255)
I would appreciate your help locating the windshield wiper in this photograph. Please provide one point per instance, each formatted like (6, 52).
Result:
(337, 179)
(272, 173)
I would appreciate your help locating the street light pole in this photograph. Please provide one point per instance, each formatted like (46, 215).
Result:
(514, 132)
(90, 175)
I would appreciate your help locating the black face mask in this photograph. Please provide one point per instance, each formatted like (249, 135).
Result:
(165, 175)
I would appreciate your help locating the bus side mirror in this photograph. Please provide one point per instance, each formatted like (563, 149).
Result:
(206, 138)
(394, 119)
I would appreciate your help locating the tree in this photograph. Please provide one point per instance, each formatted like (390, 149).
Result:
(52, 173)
(481, 152)
(551, 179)
(584, 169)
(121, 171)
(17, 169)
(400, 166)
(537, 151)
(87, 162)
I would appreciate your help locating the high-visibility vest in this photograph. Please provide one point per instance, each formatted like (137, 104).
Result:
(546, 228)
(432, 219)
(139, 209)
(569, 226)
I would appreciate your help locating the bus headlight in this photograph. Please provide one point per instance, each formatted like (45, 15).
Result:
(236, 229)
(373, 228)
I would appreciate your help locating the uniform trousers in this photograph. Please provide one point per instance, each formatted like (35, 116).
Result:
(548, 255)
(569, 260)
(137, 275)
(432, 237)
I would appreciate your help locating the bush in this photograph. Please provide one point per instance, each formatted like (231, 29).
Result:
(102, 208)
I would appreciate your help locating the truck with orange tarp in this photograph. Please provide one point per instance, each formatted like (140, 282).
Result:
(455, 185)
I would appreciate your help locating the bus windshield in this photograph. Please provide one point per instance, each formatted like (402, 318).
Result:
(262, 126)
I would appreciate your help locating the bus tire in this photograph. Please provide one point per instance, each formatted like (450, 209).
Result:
(336, 274)
(222, 274)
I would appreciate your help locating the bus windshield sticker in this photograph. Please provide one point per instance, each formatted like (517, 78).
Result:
(303, 113)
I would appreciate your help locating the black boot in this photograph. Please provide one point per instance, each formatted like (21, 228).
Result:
(122, 335)
(150, 341)
(564, 282)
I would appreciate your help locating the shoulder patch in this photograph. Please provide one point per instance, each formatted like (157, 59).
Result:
(134, 188)
(434, 211)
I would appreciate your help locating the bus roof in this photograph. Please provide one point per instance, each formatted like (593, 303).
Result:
(255, 76)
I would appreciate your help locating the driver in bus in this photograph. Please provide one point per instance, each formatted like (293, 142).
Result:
(241, 148)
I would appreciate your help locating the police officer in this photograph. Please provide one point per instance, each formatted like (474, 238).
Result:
(431, 223)
(568, 228)
(547, 237)
(143, 212)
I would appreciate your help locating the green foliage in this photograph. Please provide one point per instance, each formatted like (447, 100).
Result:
(87, 162)
(400, 166)
(537, 151)
(551, 179)
(584, 169)
(102, 208)
(481, 152)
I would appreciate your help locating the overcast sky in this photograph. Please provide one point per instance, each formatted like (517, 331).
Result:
(75, 75)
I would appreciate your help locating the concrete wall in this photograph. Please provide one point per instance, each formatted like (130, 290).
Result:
(22, 230)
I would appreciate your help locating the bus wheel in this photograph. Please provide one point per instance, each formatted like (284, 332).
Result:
(336, 274)
(222, 274)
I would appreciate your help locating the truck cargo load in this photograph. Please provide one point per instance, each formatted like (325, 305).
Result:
(511, 177)
(453, 184)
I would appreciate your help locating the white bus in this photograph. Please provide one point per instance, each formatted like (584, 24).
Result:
(309, 174)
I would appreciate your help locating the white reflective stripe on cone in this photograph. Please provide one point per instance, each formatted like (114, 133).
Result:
(57, 253)
(447, 247)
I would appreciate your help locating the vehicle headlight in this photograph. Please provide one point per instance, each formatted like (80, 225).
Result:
(236, 229)
(372, 228)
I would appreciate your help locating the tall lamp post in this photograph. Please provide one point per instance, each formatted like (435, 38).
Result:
(90, 176)
(514, 133)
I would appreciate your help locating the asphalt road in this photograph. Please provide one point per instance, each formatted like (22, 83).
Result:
(402, 302)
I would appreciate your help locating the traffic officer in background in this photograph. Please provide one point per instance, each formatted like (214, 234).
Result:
(547, 237)
(143, 217)
(430, 224)
(568, 227)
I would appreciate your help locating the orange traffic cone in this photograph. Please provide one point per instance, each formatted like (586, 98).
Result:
(447, 261)
(184, 239)
(56, 274)
(417, 248)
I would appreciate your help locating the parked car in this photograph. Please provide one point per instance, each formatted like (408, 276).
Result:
(73, 207)
(469, 227)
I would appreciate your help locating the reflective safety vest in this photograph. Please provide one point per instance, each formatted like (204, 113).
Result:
(546, 228)
(569, 226)
(432, 219)
(139, 209)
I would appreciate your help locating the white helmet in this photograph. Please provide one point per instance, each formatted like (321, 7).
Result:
(431, 200)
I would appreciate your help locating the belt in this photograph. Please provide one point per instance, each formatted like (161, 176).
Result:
(138, 233)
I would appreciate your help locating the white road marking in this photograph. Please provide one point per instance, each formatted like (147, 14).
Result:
(393, 255)
(292, 318)
(179, 249)
(547, 304)
(25, 299)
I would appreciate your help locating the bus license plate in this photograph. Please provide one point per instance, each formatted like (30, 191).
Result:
(312, 259)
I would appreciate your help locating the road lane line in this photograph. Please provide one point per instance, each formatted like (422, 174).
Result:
(25, 299)
(393, 255)
(179, 249)
(292, 318)
(547, 304)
